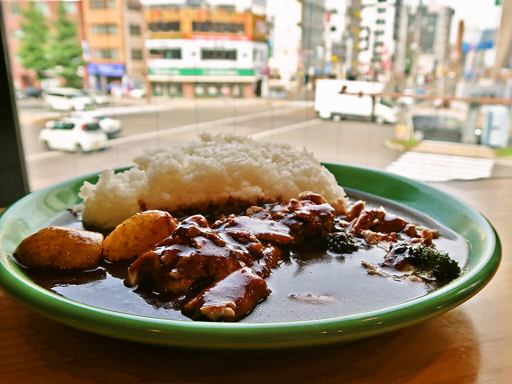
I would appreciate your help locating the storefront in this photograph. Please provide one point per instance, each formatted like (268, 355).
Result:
(104, 77)
(203, 82)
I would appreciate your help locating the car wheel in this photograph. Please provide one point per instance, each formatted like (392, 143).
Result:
(46, 145)
(79, 148)
(336, 118)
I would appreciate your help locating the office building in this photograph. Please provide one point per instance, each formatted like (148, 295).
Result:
(207, 49)
(114, 48)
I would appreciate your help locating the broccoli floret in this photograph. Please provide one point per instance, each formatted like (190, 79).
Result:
(342, 242)
(426, 260)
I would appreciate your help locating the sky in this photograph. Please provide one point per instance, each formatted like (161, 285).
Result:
(475, 13)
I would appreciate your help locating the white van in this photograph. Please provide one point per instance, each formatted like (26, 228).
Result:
(331, 103)
(67, 99)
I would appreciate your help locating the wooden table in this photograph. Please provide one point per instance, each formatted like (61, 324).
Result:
(472, 343)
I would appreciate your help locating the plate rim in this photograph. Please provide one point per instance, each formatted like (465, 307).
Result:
(319, 331)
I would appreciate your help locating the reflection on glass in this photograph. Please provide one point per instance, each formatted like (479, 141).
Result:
(419, 88)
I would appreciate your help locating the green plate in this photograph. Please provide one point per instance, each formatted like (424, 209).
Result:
(39, 208)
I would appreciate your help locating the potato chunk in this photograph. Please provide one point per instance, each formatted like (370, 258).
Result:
(61, 247)
(138, 234)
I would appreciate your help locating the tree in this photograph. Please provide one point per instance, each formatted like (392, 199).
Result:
(65, 52)
(33, 41)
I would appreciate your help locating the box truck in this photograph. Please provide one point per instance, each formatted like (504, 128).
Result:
(334, 100)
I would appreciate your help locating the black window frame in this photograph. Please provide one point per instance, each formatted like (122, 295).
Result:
(102, 4)
(137, 54)
(219, 54)
(100, 29)
(12, 163)
(135, 30)
(166, 53)
(164, 26)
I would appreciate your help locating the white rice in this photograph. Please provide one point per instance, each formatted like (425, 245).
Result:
(204, 173)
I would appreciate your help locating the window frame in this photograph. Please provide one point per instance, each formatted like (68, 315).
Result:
(12, 158)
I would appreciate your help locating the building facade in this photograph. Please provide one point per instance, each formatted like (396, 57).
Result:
(377, 44)
(285, 39)
(205, 50)
(351, 39)
(12, 12)
(429, 38)
(114, 44)
(313, 38)
(335, 27)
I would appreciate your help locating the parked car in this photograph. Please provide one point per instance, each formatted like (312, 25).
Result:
(137, 93)
(68, 99)
(438, 127)
(111, 127)
(33, 92)
(98, 98)
(77, 135)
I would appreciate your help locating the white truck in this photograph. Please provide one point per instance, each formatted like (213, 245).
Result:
(334, 100)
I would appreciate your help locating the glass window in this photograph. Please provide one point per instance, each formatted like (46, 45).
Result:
(63, 125)
(168, 53)
(164, 26)
(104, 29)
(134, 5)
(218, 54)
(102, 4)
(137, 54)
(91, 127)
(207, 26)
(106, 53)
(135, 30)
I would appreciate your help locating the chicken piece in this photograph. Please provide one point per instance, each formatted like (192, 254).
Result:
(390, 224)
(378, 221)
(195, 251)
(308, 219)
(410, 230)
(367, 220)
(230, 299)
(271, 257)
(61, 247)
(426, 236)
(355, 210)
(138, 234)
(240, 227)
(374, 238)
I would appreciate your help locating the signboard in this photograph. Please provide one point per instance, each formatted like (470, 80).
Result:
(106, 69)
(202, 71)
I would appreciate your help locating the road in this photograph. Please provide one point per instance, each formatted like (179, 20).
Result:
(350, 142)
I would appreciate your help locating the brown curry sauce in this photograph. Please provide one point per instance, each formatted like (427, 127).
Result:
(302, 282)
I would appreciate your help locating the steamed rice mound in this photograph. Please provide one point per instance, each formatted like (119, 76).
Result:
(205, 173)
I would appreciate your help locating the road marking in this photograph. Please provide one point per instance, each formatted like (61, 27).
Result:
(438, 168)
(175, 130)
(285, 128)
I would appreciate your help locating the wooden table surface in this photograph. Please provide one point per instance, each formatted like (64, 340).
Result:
(472, 343)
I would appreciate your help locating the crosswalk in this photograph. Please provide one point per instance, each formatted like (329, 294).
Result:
(438, 168)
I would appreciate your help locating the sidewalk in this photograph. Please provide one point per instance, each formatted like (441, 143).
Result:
(454, 149)
(438, 161)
